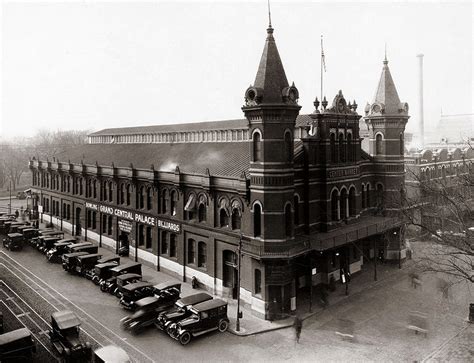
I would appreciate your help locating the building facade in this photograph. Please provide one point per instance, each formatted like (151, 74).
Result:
(294, 195)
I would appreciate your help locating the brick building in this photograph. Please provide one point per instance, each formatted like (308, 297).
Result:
(296, 194)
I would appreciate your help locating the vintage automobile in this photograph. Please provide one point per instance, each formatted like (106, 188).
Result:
(17, 346)
(69, 260)
(14, 241)
(38, 242)
(13, 226)
(180, 310)
(110, 259)
(64, 336)
(124, 280)
(48, 244)
(34, 240)
(60, 248)
(29, 233)
(110, 283)
(167, 293)
(111, 354)
(20, 229)
(102, 272)
(133, 292)
(86, 263)
(205, 317)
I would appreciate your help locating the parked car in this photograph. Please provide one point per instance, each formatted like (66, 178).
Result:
(13, 227)
(110, 259)
(64, 336)
(180, 310)
(134, 292)
(124, 280)
(48, 244)
(69, 260)
(102, 271)
(14, 241)
(29, 233)
(38, 243)
(17, 346)
(73, 247)
(167, 293)
(110, 283)
(111, 354)
(60, 248)
(86, 263)
(205, 317)
(41, 232)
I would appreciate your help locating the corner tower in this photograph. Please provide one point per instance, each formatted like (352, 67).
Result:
(271, 107)
(386, 118)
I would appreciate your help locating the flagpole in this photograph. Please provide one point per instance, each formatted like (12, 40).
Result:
(322, 60)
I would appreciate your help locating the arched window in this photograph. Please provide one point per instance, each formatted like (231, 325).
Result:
(288, 147)
(236, 218)
(164, 242)
(129, 193)
(173, 245)
(202, 212)
(148, 198)
(258, 281)
(344, 204)
(191, 251)
(164, 201)
(202, 255)
(352, 202)
(333, 148)
(80, 186)
(140, 197)
(288, 221)
(349, 151)
(296, 215)
(111, 192)
(174, 202)
(122, 193)
(378, 145)
(342, 149)
(334, 205)
(402, 145)
(257, 220)
(363, 197)
(367, 197)
(257, 147)
(223, 218)
(103, 190)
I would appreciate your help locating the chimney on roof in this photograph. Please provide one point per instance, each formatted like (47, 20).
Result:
(421, 126)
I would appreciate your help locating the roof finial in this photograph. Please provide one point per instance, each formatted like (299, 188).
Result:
(385, 61)
(269, 15)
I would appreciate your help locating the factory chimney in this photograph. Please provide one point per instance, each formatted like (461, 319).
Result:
(421, 127)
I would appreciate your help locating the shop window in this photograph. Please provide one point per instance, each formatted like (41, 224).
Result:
(378, 144)
(258, 282)
(223, 218)
(257, 147)
(110, 225)
(104, 224)
(191, 251)
(236, 218)
(141, 235)
(173, 242)
(164, 242)
(288, 221)
(149, 199)
(257, 220)
(333, 148)
(174, 202)
(202, 255)
(68, 212)
(202, 212)
(149, 238)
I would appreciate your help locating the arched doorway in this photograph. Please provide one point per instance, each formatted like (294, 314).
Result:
(229, 273)
(78, 222)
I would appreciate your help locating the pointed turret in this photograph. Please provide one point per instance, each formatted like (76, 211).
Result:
(271, 85)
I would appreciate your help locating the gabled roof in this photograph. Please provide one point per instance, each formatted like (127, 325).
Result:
(271, 77)
(386, 91)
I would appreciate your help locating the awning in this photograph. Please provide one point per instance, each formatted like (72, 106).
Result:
(191, 203)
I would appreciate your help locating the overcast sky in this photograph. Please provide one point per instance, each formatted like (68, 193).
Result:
(93, 65)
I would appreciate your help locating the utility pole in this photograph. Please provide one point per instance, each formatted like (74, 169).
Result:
(237, 323)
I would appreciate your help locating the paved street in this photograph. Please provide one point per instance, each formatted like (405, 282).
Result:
(376, 314)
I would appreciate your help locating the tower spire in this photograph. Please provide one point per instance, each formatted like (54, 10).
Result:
(385, 61)
(269, 15)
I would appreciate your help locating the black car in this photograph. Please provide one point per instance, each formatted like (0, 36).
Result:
(106, 259)
(73, 247)
(124, 280)
(13, 227)
(167, 293)
(205, 317)
(134, 292)
(60, 248)
(86, 263)
(180, 310)
(145, 314)
(14, 241)
(48, 244)
(102, 272)
(70, 260)
(111, 283)
(64, 336)
(17, 346)
(38, 242)
(29, 233)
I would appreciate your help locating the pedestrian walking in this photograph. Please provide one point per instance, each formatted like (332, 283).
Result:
(298, 325)
(17, 213)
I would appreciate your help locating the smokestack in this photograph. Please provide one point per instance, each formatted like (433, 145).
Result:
(421, 127)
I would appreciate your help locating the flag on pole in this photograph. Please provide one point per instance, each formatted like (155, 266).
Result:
(323, 58)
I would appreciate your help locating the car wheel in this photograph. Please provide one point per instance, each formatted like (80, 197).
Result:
(223, 325)
(185, 338)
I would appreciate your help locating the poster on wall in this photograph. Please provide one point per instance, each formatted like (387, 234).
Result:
(125, 226)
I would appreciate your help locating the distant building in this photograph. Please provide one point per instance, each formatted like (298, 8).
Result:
(306, 202)
(453, 130)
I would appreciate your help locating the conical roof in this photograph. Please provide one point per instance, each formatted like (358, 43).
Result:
(271, 77)
(386, 91)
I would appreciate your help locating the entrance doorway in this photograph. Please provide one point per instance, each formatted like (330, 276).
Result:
(78, 222)
(123, 247)
(230, 274)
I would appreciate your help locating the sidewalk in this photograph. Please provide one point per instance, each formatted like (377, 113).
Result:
(252, 325)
